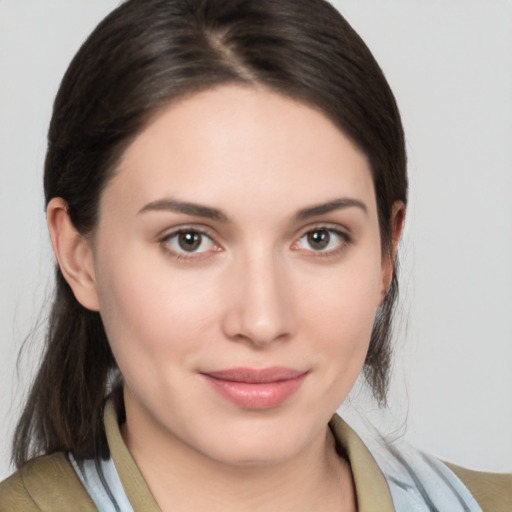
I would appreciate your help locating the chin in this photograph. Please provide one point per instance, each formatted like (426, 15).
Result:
(260, 443)
(247, 457)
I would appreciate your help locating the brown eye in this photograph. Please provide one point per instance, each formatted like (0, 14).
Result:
(189, 242)
(318, 239)
(322, 240)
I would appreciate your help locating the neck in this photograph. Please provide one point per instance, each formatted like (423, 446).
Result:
(175, 472)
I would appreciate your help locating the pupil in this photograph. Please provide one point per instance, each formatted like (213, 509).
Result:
(319, 239)
(189, 241)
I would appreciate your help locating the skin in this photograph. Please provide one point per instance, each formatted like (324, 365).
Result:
(255, 293)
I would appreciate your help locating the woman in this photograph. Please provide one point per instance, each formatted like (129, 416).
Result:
(226, 189)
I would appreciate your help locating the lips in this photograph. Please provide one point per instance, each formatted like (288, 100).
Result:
(256, 388)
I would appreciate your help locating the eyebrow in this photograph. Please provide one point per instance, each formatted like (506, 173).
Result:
(207, 212)
(336, 204)
(196, 210)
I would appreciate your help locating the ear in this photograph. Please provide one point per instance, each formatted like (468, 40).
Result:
(388, 258)
(73, 253)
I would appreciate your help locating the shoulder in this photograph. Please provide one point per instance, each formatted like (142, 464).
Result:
(492, 491)
(417, 480)
(45, 484)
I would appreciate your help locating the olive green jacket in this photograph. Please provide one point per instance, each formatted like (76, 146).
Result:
(50, 484)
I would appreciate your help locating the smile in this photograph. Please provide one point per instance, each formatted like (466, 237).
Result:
(256, 389)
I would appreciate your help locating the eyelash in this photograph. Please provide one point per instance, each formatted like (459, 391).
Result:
(345, 240)
(184, 255)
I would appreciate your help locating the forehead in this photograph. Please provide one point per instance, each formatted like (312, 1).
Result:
(240, 142)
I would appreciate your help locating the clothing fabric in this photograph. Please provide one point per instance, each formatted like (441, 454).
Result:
(388, 477)
(103, 484)
(417, 482)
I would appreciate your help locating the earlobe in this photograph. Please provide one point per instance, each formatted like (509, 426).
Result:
(388, 261)
(73, 253)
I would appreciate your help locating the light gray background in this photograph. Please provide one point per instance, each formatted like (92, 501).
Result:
(450, 65)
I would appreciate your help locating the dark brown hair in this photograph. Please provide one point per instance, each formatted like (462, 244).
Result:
(142, 56)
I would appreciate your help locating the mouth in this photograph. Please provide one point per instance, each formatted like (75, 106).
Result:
(256, 388)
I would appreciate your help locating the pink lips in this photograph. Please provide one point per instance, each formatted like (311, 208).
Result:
(256, 389)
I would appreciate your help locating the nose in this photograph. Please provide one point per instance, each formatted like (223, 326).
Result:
(260, 305)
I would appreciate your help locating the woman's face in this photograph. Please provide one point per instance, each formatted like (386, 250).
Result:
(238, 270)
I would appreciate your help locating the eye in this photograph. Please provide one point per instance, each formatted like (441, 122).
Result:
(188, 241)
(322, 240)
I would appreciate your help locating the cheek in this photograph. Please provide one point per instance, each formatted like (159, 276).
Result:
(342, 325)
(339, 313)
(151, 314)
